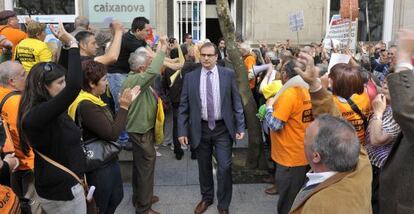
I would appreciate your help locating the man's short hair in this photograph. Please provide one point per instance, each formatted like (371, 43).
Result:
(337, 143)
(7, 71)
(138, 58)
(209, 44)
(83, 36)
(139, 23)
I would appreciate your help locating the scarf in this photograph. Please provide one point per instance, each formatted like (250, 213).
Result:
(83, 95)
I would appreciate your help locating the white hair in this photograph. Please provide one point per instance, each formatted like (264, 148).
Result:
(7, 70)
(138, 58)
(245, 46)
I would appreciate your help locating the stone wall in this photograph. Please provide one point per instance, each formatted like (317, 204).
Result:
(267, 20)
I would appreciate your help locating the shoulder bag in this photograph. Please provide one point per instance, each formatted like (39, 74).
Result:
(91, 204)
(98, 152)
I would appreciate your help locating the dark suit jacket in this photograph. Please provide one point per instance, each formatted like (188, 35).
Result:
(189, 116)
(396, 193)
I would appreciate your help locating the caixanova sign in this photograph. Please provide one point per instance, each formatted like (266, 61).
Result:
(123, 10)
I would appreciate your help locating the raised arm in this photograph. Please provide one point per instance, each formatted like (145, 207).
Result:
(112, 55)
(401, 85)
(322, 102)
(51, 109)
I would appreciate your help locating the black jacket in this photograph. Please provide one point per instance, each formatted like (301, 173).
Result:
(129, 44)
(49, 130)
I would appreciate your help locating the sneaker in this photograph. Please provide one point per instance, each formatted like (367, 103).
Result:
(158, 154)
(184, 147)
(172, 147)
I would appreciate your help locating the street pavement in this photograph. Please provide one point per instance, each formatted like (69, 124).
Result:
(176, 184)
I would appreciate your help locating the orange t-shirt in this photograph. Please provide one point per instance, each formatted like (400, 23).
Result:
(12, 34)
(249, 62)
(363, 103)
(9, 114)
(9, 203)
(294, 108)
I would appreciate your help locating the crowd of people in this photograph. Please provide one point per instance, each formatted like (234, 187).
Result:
(337, 138)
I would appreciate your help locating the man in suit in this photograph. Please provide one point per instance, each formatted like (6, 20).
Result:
(210, 104)
(396, 189)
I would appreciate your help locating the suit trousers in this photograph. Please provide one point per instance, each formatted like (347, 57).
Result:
(143, 170)
(220, 140)
(289, 181)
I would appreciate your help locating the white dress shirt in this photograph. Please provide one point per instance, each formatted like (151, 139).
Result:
(215, 81)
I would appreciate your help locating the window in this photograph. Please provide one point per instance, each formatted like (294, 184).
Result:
(189, 17)
(375, 17)
(44, 10)
(44, 7)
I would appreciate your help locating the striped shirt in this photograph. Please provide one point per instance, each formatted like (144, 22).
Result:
(379, 154)
(215, 81)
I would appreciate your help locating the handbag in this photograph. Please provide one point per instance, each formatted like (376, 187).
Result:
(98, 152)
(91, 203)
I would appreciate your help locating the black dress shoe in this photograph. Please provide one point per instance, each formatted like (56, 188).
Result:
(178, 156)
(193, 156)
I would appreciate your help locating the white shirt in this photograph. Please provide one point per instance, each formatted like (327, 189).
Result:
(215, 81)
(316, 178)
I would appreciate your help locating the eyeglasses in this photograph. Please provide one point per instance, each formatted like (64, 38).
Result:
(207, 55)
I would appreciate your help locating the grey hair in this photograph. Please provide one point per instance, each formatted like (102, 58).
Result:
(138, 58)
(337, 143)
(81, 21)
(7, 71)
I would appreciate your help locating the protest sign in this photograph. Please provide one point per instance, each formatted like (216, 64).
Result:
(338, 58)
(339, 30)
(296, 21)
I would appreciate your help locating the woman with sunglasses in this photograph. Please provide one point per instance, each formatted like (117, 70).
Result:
(45, 126)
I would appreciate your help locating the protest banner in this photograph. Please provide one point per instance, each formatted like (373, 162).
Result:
(339, 30)
(296, 22)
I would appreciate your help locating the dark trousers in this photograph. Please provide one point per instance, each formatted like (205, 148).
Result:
(375, 189)
(177, 145)
(289, 181)
(143, 170)
(109, 189)
(220, 140)
(20, 181)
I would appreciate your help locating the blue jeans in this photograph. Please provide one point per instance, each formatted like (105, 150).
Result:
(115, 84)
(109, 189)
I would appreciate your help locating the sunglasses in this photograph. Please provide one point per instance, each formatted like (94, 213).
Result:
(48, 67)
